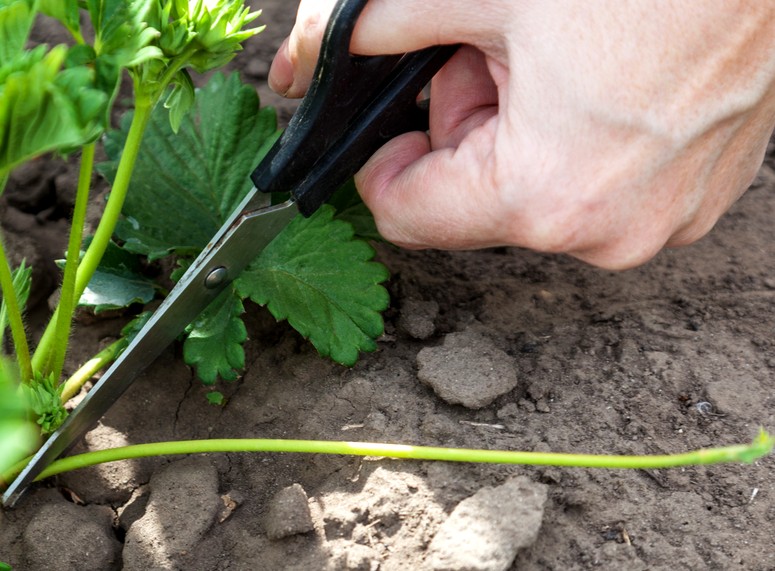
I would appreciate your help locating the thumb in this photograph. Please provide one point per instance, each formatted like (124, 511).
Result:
(424, 199)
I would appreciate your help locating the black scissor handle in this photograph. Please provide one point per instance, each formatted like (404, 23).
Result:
(354, 105)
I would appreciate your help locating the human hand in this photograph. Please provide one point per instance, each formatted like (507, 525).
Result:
(604, 132)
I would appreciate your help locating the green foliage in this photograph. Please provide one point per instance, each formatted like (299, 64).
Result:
(317, 273)
(200, 34)
(45, 106)
(16, 18)
(44, 398)
(350, 208)
(118, 282)
(123, 40)
(214, 342)
(199, 174)
(66, 11)
(22, 280)
(320, 278)
(215, 398)
(17, 434)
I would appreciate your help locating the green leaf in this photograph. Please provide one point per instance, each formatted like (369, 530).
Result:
(44, 107)
(117, 282)
(122, 40)
(17, 434)
(120, 28)
(131, 329)
(44, 397)
(214, 343)
(22, 280)
(319, 278)
(66, 11)
(215, 398)
(181, 99)
(350, 208)
(184, 186)
(16, 18)
(202, 34)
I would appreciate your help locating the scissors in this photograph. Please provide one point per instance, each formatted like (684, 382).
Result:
(353, 106)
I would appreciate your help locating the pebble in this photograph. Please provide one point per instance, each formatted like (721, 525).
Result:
(467, 369)
(486, 531)
(355, 557)
(183, 505)
(417, 318)
(289, 513)
(66, 537)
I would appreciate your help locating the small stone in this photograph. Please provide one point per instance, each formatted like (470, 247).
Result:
(467, 369)
(67, 537)
(418, 318)
(542, 405)
(509, 410)
(356, 557)
(527, 405)
(485, 531)
(289, 513)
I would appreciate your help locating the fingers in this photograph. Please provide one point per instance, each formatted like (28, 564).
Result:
(293, 66)
(386, 27)
(464, 96)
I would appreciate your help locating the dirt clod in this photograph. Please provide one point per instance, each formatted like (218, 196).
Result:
(485, 531)
(183, 505)
(289, 513)
(467, 369)
(65, 537)
(418, 318)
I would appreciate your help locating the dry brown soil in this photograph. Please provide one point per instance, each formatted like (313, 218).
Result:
(673, 356)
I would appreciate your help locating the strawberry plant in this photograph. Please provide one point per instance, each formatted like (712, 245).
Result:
(174, 176)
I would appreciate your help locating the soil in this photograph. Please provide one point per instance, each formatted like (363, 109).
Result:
(673, 356)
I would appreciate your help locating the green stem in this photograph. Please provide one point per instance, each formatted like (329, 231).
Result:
(107, 225)
(747, 453)
(91, 368)
(67, 299)
(15, 319)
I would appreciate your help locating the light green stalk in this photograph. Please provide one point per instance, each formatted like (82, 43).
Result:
(746, 453)
(15, 319)
(107, 225)
(91, 368)
(67, 298)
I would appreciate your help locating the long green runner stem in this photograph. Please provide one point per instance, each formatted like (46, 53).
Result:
(747, 453)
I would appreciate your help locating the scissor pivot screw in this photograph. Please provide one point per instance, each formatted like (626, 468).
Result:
(216, 277)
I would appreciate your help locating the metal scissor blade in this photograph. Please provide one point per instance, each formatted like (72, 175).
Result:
(233, 248)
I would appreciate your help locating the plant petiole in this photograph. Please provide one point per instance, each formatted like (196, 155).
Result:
(91, 368)
(745, 453)
(14, 314)
(67, 298)
(107, 225)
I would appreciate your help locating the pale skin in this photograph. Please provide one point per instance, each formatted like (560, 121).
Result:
(606, 130)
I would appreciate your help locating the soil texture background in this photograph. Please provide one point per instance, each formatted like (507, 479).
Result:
(497, 349)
